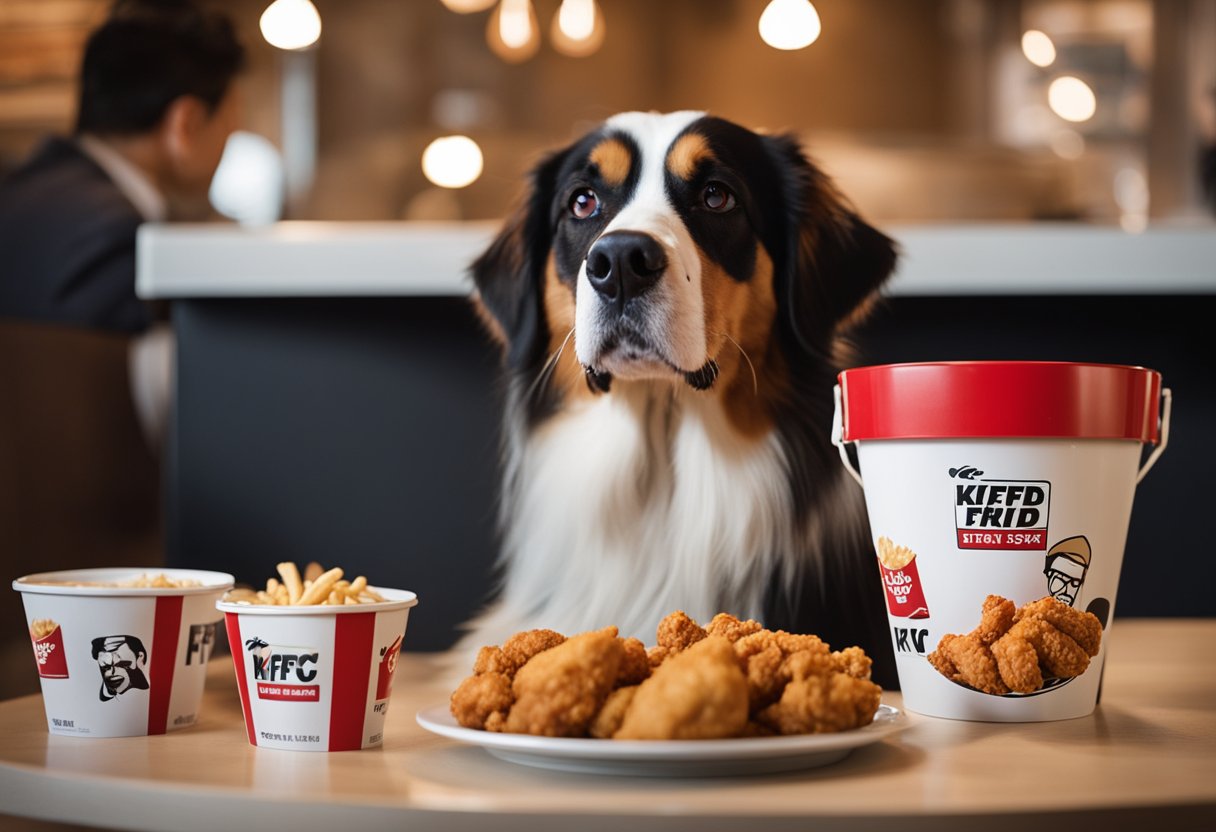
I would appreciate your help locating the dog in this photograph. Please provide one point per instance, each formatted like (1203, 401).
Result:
(670, 299)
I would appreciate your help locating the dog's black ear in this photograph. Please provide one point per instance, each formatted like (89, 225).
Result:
(830, 262)
(509, 275)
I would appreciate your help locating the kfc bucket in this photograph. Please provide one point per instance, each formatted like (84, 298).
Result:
(317, 678)
(121, 653)
(999, 495)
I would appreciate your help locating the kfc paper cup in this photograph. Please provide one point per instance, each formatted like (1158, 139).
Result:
(121, 661)
(317, 678)
(999, 478)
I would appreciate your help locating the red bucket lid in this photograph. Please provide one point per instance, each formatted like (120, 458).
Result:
(952, 399)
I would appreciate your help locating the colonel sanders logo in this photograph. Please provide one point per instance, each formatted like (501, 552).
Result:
(121, 660)
(1065, 567)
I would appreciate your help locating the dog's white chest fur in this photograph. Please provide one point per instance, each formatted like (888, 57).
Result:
(632, 505)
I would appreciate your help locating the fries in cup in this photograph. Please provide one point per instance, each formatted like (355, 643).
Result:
(316, 586)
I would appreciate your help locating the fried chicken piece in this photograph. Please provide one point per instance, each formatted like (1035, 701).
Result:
(996, 619)
(941, 661)
(766, 675)
(765, 654)
(699, 693)
(656, 656)
(561, 688)
(972, 661)
(480, 698)
(823, 703)
(1061, 655)
(521, 647)
(787, 643)
(806, 663)
(731, 628)
(492, 660)
(678, 632)
(1082, 627)
(635, 663)
(797, 642)
(854, 662)
(1011, 648)
(1018, 663)
(608, 721)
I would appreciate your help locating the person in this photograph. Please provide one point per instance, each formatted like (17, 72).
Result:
(158, 100)
(120, 659)
(1065, 567)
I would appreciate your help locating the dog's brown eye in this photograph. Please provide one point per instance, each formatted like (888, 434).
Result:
(717, 197)
(584, 204)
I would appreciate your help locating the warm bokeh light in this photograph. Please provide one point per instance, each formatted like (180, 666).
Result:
(789, 24)
(467, 6)
(1038, 48)
(452, 161)
(1071, 99)
(248, 184)
(512, 31)
(1067, 143)
(578, 28)
(291, 24)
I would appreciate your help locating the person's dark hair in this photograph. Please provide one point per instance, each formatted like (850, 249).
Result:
(137, 646)
(148, 53)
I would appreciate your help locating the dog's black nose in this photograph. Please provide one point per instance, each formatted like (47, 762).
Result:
(624, 264)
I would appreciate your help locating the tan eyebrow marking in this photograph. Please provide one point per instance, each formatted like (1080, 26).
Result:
(687, 153)
(613, 159)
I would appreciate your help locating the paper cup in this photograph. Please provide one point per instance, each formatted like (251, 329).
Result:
(317, 678)
(121, 661)
(997, 478)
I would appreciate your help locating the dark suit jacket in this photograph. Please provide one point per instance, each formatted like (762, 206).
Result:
(67, 244)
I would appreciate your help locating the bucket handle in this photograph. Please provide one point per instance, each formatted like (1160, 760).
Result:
(838, 436)
(1166, 404)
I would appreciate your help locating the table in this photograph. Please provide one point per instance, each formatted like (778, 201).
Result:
(1146, 757)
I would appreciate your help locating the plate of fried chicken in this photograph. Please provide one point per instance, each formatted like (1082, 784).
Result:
(730, 698)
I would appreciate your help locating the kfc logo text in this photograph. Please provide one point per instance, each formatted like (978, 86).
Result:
(1002, 514)
(283, 673)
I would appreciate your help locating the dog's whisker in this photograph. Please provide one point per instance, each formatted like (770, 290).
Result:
(748, 359)
(546, 372)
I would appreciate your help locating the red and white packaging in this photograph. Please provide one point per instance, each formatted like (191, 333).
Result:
(1012, 478)
(317, 678)
(905, 596)
(48, 650)
(121, 661)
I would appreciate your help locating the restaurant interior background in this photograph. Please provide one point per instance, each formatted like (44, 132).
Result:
(932, 110)
(924, 111)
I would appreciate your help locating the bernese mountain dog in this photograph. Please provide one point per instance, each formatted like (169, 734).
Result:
(670, 299)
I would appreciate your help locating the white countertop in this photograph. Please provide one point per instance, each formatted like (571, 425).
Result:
(336, 259)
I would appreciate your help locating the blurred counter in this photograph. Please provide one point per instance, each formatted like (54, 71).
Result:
(318, 259)
(336, 398)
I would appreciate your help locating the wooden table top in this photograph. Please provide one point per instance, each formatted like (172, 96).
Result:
(1147, 756)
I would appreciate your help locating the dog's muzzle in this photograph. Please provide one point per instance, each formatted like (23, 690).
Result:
(623, 268)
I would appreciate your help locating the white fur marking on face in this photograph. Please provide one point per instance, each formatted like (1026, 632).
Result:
(676, 310)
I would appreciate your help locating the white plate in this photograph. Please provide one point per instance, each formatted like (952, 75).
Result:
(670, 758)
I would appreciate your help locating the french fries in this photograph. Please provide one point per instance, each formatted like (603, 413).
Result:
(892, 555)
(317, 587)
(42, 627)
(144, 581)
(160, 581)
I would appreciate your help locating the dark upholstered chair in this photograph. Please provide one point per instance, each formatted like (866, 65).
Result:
(79, 485)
